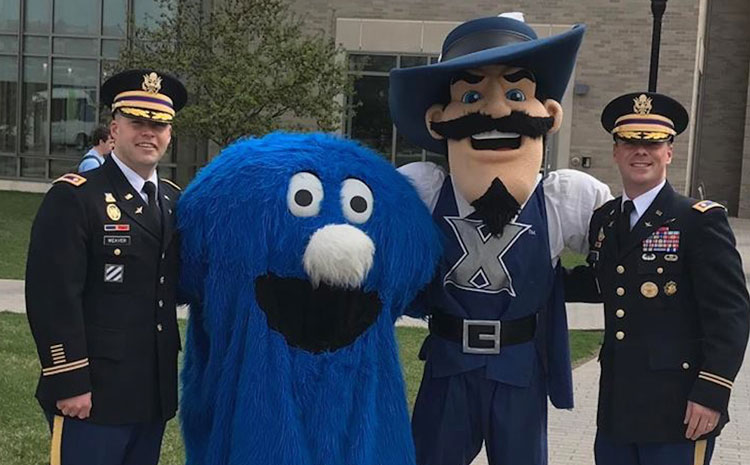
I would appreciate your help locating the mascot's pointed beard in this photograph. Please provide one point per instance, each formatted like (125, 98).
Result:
(496, 207)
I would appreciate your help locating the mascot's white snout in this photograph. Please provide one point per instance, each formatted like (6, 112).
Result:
(339, 255)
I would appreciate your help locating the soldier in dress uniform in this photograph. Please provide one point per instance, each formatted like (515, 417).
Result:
(676, 307)
(101, 283)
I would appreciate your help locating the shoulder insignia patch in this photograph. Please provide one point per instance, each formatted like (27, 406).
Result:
(71, 178)
(172, 184)
(705, 205)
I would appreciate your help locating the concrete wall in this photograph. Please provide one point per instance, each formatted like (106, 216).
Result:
(614, 57)
(744, 210)
(723, 106)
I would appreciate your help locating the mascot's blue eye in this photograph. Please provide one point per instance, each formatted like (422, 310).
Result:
(515, 95)
(471, 96)
(356, 200)
(304, 195)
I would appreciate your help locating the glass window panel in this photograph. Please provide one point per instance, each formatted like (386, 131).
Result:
(438, 158)
(406, 152)
(114, 18)
(9, 44)
(9, 15)
(34, 105)
(33, 168)
(408, 61)
(59, 167)
(8, 167)
(371, 122)
(34, 44)
(147, 13)
(36, 17)
(382, 63)
(111, 48)
(77, 16)
(81, 47)
(8, 95)
(74, 106)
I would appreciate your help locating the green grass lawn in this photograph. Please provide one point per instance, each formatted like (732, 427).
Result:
(24, 437)
(17, 210)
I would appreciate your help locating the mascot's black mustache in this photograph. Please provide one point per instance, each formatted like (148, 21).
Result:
(474, 123)
(496, 207)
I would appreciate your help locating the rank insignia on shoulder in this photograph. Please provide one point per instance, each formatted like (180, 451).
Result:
(172, 184)
(71, 178)
(705, 205)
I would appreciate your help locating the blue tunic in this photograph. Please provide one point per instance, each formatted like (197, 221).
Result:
(506, 278)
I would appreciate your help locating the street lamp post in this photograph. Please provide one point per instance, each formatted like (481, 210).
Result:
(657, 8)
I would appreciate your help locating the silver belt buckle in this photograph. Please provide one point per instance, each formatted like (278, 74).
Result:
(492, 334)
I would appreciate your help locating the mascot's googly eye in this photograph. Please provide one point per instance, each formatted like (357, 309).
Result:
(304, 195)
(356, 200)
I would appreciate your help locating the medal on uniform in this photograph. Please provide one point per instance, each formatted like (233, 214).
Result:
(113, 212)
(649, 290)
(670, 257)
(648, 257)
(109, 198)
(601, 235)
(670, 288)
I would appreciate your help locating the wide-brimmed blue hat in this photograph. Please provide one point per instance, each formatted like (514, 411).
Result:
(473, 44)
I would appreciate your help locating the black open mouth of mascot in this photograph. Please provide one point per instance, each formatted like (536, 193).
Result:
(321, 319)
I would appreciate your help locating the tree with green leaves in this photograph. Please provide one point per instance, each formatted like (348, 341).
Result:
(249, 67)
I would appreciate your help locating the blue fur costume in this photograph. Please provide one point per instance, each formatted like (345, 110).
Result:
(250, 396)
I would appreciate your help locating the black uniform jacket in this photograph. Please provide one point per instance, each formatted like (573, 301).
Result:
(677, 315)
(100, 297)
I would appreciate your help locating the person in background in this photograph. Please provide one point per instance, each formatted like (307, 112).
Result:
(103, 144)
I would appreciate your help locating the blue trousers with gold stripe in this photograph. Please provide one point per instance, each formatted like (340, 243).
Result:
(77, 442)
(608, 452)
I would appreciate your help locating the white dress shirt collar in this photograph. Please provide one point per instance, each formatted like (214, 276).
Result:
(135, 179)
(642, 202)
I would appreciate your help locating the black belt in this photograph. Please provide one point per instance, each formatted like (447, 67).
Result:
(483, 336)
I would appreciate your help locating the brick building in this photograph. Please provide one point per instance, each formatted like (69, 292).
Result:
(705, 62)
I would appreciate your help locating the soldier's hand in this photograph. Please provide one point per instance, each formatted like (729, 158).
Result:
(699, 420)
(78, 406)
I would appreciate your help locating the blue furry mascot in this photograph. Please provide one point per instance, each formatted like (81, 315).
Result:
(299, 252)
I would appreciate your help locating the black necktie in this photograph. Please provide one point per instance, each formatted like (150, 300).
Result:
(153, 205)
(623, 223)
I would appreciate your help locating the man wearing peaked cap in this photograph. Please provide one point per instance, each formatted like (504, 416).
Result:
(498, 342)
(101, 282)
(676, 309)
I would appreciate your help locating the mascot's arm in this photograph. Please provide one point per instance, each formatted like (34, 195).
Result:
(427, 178)
(571, 198)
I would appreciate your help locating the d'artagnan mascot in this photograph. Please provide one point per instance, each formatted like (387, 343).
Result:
(299, 251)
(498, 344)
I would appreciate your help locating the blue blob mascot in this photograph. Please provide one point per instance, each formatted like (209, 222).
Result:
(299, 252)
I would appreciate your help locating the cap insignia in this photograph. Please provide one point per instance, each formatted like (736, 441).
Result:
(642, 105)
(151, 83)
